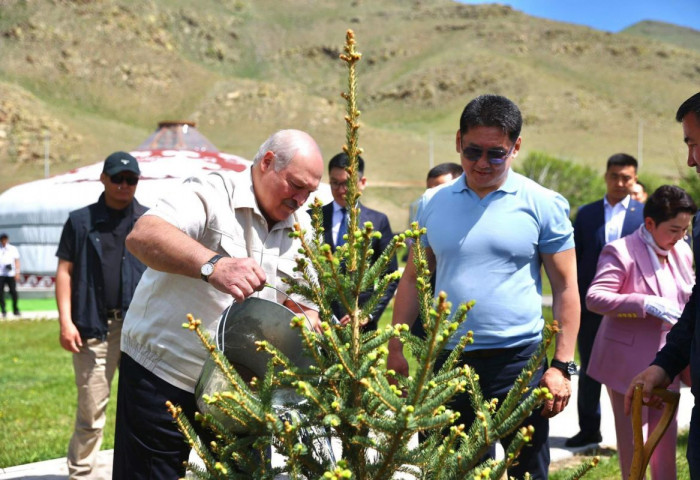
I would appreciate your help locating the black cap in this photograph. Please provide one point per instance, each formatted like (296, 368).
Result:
(121, 162)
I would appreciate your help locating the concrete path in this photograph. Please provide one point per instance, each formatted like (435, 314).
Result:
(40, 315)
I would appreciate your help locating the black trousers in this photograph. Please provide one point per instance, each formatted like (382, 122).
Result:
(497, 374)
(693, 451)
(12, 286)
(147, 443)
(588, 400)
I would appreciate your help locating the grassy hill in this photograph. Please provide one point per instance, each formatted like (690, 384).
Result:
(99, 75)
(665, 32)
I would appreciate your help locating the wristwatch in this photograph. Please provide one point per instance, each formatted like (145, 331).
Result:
(208, 268)
(567, 368)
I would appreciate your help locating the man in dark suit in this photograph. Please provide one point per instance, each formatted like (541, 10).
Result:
(683, 341)
(597, 224)
(335, 215)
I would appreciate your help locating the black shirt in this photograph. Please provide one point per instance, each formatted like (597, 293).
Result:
(113, 235)
(81, 244)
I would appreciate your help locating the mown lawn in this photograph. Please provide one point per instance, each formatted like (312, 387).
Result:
(608, 468)
(36, 304)
(37, 394)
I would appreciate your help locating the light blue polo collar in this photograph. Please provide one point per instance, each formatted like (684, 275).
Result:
(511, 185)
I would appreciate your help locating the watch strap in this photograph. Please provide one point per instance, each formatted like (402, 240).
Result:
(212, 261)
(567, 368)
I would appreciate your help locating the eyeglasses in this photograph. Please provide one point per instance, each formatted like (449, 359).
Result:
(495, 156)
(118, 179)
(336, 185)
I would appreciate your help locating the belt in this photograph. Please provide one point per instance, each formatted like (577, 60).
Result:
(489, 352)
(114, 314)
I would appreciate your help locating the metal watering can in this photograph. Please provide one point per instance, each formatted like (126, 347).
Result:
(239, 327)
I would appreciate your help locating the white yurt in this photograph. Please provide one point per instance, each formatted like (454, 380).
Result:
(33, 214)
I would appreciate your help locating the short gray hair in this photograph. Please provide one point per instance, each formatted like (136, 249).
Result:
(284, 144)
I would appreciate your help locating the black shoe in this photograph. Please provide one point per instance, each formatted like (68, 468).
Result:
(584, 438)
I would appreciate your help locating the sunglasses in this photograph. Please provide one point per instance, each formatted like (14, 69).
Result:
(495, 156)
(118, 179)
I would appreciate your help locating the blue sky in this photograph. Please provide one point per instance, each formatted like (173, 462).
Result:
(609, 15)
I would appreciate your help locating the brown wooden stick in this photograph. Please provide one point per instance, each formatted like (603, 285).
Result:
(643, 451)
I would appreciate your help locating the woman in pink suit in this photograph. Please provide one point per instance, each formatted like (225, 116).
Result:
(641, 286)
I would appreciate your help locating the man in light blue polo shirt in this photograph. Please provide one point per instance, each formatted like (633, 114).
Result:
(488, 234)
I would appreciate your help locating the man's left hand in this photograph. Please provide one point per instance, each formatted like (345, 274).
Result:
(560, 388)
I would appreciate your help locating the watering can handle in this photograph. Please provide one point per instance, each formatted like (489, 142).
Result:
(218, 341)
(309, 325)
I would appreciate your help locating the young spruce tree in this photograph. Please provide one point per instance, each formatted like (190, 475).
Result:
(347, 397)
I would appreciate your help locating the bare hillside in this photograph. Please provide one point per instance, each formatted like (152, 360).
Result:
(97, 76)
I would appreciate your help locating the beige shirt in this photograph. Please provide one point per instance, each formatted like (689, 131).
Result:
(219, 211)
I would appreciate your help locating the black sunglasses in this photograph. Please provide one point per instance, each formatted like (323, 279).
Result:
(495, 156)
(118, 179)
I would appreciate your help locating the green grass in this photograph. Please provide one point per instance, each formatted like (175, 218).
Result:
(36, 304)
(38, 394)
(608, 468)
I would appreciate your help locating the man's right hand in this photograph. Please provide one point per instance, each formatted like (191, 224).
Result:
(70, 337)
(239, 277)
(651, 378)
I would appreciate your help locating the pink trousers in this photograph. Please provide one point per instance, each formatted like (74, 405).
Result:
(663, 461)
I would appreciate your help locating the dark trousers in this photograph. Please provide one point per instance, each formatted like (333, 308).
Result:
(497, 374)
(588, 401)
(148, 444)
(12, 286)
(693, 451)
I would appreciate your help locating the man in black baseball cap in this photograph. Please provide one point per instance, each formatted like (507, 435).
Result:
(95, 282)
(120, 175)
(121, 162)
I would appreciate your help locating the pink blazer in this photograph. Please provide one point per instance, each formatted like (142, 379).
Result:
(628, 338)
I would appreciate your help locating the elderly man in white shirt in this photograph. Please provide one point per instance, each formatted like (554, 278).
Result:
(218, 238)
